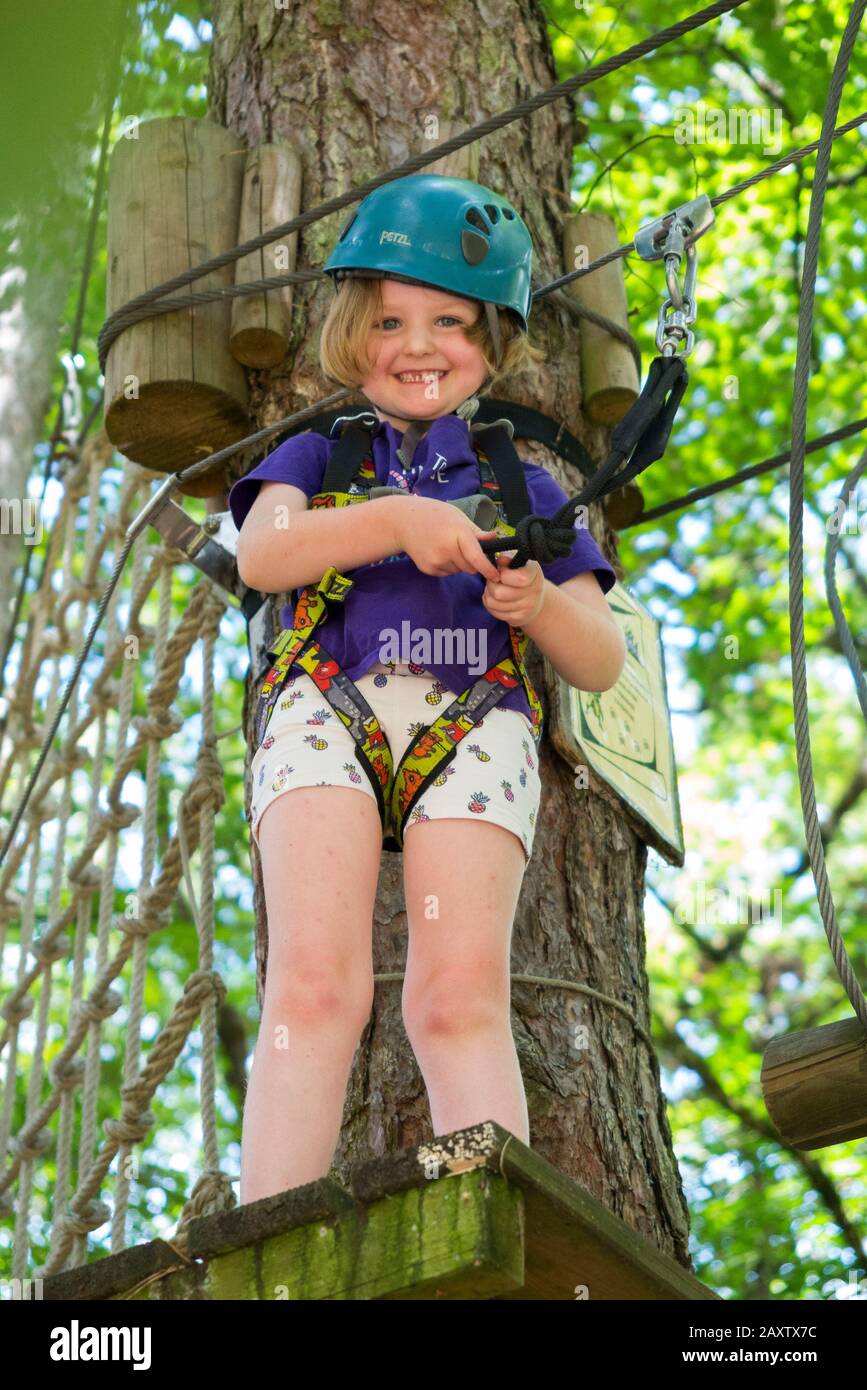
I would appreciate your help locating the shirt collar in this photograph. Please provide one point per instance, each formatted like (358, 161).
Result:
(449, 429)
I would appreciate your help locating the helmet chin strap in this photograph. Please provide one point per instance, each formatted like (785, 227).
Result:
(494, 326)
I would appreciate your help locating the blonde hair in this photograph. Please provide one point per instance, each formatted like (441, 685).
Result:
(343, 344)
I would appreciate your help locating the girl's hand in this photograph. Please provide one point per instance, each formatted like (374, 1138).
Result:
(516, 596)
(440, 538)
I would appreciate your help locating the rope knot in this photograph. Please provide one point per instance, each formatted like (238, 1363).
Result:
(542, 538)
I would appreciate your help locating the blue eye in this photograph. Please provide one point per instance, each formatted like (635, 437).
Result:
(385, 322)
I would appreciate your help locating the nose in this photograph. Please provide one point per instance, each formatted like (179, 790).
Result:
(418, 341)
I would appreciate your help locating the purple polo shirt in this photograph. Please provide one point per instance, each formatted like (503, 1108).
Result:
(392, 599)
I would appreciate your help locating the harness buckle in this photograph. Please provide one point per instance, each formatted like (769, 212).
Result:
(363, 417)
(334, 585)
(481, 425)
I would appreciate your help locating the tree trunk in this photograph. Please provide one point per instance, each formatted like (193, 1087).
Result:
(355, 99)
(35, 276)
(46, 147)
(28, 349)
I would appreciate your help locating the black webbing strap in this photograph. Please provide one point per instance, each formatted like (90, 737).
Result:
(639, 438)
(354, 445)
(637, 441)
(348, 454)
(532, 424)
(528, 424)
(508, 469)
(251, 603)
(642, 434)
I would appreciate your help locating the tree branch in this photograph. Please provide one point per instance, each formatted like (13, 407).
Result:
(764, 1130)
(851, 794)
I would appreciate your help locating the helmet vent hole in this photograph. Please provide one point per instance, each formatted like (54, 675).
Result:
(474, 247)
(507, 212)
(474, 216)
(493, 213)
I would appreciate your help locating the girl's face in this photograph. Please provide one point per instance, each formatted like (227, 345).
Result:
(424, 366)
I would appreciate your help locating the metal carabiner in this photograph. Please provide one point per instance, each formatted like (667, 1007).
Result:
(677, 292)
(668, 238)
(670, 329)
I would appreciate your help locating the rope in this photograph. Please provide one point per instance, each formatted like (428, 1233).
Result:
(204, 465)
(796, 521)
(130, 313)
(555, 982)
(146, 306)
(581, 311)
(753, 471)
(92, 1001)
(84, 284)
(792, 158)
(77, 1214)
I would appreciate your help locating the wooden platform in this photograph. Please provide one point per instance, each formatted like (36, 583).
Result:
(471, 1215)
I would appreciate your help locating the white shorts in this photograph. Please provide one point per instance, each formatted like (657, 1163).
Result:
(493, 776)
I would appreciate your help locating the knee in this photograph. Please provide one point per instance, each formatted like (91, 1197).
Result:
(318, 993)
(450, 1007)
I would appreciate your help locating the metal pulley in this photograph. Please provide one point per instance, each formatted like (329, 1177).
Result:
(669, 238)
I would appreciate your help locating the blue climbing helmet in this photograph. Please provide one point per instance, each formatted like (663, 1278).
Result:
(443, 233)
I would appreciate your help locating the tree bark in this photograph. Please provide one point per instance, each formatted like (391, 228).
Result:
(35, 276)
(355, 94)
(28, 347)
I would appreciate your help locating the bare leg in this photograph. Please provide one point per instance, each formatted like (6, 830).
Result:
(320, 849)
(457, 997)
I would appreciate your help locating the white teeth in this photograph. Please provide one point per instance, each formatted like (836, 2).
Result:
(419, 376)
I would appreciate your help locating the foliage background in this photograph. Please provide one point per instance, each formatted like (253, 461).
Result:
(767, 1221)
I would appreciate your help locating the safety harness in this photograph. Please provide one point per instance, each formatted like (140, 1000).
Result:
(501, 475)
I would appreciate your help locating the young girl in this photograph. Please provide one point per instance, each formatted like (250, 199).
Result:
(433, 295)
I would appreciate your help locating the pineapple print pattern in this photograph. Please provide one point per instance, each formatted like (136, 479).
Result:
(281, 779)
(435, 695)
(319, 716)
(493, 773)
(480, 753)
(443, 777)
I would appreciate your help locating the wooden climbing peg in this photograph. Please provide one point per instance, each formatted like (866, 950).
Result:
(173, 391)
(272, 195)
(814, 1084)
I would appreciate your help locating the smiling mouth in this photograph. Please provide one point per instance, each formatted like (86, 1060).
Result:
(419, 378)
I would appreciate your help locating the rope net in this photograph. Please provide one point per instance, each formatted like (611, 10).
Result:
(72, 966)
(58, 1022)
